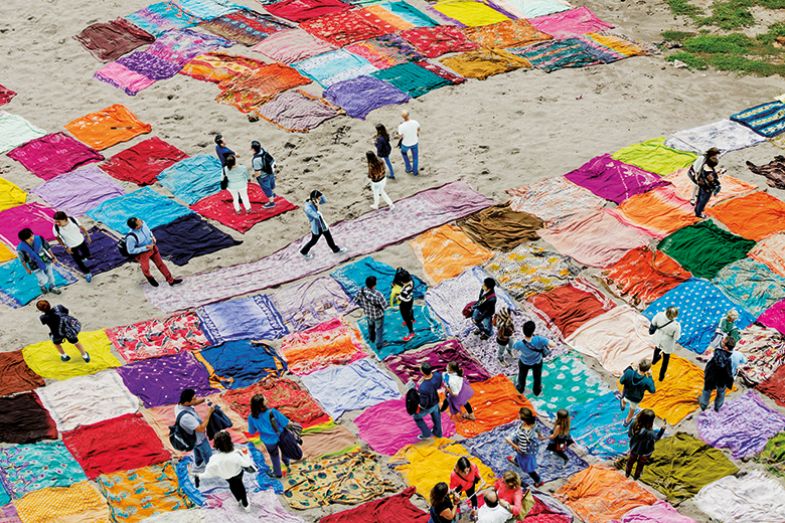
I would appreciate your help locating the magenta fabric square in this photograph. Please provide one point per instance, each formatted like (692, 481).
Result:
(566, 24)
(614, 180)
(407, 365)
(774, 317)
(30, 215)
(54, 154)
(79, 191)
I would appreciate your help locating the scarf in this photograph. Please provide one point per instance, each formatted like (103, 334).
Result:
(32, 252)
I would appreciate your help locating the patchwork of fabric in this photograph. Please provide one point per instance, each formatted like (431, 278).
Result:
(352, 277)
(531, 269)
(755, 216)
(110, 40)
(411, 79)
(220, 67)
(334, 66)
(80, 502)
(532, 8)
(578, 21)
(403, 10)
(154, 338)
(17, 375)
(731, 187)
(643, 275)
(245, 27)
(496, 402)
(143, 162)
(558, 54)
(751, 284)
(675, 396)
(162, 16)
(755, 497)
(149, 206)
(725, 135)
(359, 96)
(330, 343)
(283, 394)
(247, 93)
(241, 363)
(483, 63)
(53, 154)
(407, 365)
(36, 217)
(303, 10)
(292, 45)
(254, 318)
(15, 131)
(386, 50)
(774, 316)
(311, 302)
(554, 200)
(771, 251)
(659, 211)
(26, 468)
(598, 426)
(510, 33)
(107, 127)
(297, 111)
(446, 251)
(433, 42)
(500, 228)
(24, 420)
(567, 381)
(655, 157)
(189, 237)
(17, 288)
(765, 119)
(45, 361)
(614, 180)
(347, 27)
(469, 13)
(79, 191)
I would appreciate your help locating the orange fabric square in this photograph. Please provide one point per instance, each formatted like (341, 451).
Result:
(495, 402)
(731, 187)
(329, 343)
(511, 33)
(755, 216)
(659, 211)
(107, 127)
(445, 252)
(643, 275)
(247, 93)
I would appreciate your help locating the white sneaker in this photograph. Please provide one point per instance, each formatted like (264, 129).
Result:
(308, 256)
(374, 207)
(247, 508)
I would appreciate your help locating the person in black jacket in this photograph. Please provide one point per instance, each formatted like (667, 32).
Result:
(642, 439)
(718, 374)
(383, 148)
(484, 309)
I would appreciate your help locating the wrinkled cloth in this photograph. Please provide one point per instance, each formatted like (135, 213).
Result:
(220, 67)
(660, 512)
(571, 305)
(282, 394)
(500, 228)
(387, 427)
(446, 251)
(154, 338)
(245, 26)
(614, 180)
(558, 54)
(335, 66)
(6, 95)
(110, 40)
(655, 157)
(79, 190)
(660, 212)
(26, 468)
(6, 254)
(209, 9)
(159, 381)
(329, 343)
(219, 207)
(80, 502)
(194, 178)
(359, 96)
(149, 66)
(731, 187)
(510, 33)
(495, 403)
(392, 509)
(247, 93)
(426, 330)
(253, 318)
(53, 154)
(772, 456)
(433, 42)
(292, 45)
(411, 79)
(407, 365)
(598, 426)
(355, 386)
(17, 288)
(143, 162)
(643, 275)
(771, 251)
(578, 21)
(754, 216)
(751, 284)
(107, 127)
(599, 494)
(146, 204)
(774, 386)
(469, 13)
(345, 27)
(567, 381)
(767, 119)
(237, 364)
(45, 361)
(297, 111)
(302, 10)
(10, 195)
(774, 171)
(554, 200)
(118, 75)
(352, 277)
(704, 249)
(765, 352)
(675, 396)
(386, 50)
(24, 420)
(533, 8)
(190, 236)
(531, 269)
(34, 216)
(610, 48)
(311, 302)
(328, 440)
(754, 497)
(17, 375)
(15, 131)
(725, 135)
(179, 46)
(405, 11)
(162, 16)
(86, 400)
(266, 507)
(484, 63)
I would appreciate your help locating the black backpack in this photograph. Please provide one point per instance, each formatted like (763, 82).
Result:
(180, 438)
(122, 245)
(267, 161)
(412, 401)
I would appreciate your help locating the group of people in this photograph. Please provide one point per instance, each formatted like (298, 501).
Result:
(235, 177)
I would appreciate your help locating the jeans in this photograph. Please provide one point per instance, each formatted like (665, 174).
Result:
(275, 457)
(703, 199)
(240, 195)
(267, 183)
(523, 372)
(414, 166)
(79, 254)
(377, 188)
(202, 453)
(719, 399)
(407, 314)
(154, 255)
(665, 357)
(315, 238)
(482, 323)
(376, 331)
(436, 417)
(45, 277)
(391, 172)
(238, 489)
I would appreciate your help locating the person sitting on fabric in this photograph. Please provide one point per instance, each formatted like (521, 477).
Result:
(74, 237)
(484, 309)
(37, 259)
(718, 375)
(493, 511)
(444, 504)
(511, 493)
(229, 464)
(141, 243)
(62, 326)
(192, 423)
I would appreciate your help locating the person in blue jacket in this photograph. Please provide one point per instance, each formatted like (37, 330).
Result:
(221, 150)
(318, 225)
(635, 384)
(259, 423)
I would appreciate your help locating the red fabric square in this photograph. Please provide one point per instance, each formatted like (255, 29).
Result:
(439, 40)
(6, 95)
(569, 307)
(54, 154)
(302, 10)
(219, 207)
(111, 40)
(17, 376)
(122, 443)
(774, 387)
(392, 509)
(143, 162)
(347, 27)
(24, 420)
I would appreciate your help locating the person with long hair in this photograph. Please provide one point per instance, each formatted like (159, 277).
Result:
(510, 492)
(238, 178)
(667, 331)
(444, 504)
(560, 438)
(402, 294)
(457, 392)
(378, 181)
(505, 329)
(525, 442)
(642, 439)
(383, 148)
(465, 478)
(228, 463)
(261, 422)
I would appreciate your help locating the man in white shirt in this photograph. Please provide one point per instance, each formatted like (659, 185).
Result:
(76, 240)
(409, 133)
(492, 511)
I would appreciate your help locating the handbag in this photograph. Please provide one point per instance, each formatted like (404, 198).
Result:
(468, 309)
(288, 442)
(224, 181)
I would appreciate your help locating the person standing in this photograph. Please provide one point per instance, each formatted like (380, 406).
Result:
(318, 225)
(383, 148)
(642, 440)
(666, 332)
(373, 304)
(187, 418)
(560, 439)
(378, 181)
(409, 135)
(697, 167)
(141, 243)
(708, 181)
(238, 178)
(635, 386)
(532, 349)
(76, 240)
(458, 392)
(263, 165)
(221, 150)
(402, 293)
(493, 511)
(718, 375)
(505, 329)
(37, 259)
(62, 326)
(526, 442)
(228, 463)
(444, 504)
(484, 309)
(261, 422)
(726, 327)
(429, 402)
(465, 478)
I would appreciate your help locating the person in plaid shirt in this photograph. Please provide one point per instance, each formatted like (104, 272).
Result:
(372, 303)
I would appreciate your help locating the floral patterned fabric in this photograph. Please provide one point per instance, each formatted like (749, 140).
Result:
(249, 92)
(725, 135)
(283, 394)
(511, 33)
(154, 338)
(385, 51)
(331, 343)
(554, 200)
(245, 27)
(751, 284)
(765, 352)
(347, 27)
(531, 269)
(25, 468)
(436, 41)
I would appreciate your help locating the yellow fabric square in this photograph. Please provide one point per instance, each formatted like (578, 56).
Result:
(81, 502)
(445, 252)
(483, 63)
(10, 195)
(6, 254)
(45, 361)
(470, 13)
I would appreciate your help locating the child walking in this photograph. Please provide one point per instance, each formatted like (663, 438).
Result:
(458, 392)
(642, 439)
(505, 329)
(560, 438)
(525, 442)
(635, 386)
(402, 293)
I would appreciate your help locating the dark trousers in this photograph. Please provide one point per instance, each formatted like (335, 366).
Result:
(640, 460)
(238, 489)
(472, 497)
(446, 405)
(315, 238)
(703, 199)
(523, 372)
(659, 355)
(275, 458)
(80, 253)
(408, 314)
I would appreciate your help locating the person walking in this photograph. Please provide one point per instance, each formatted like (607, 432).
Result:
(483, 309)
(642, 440)
(409, 136)
(318, 225)
(37, 258)
(726, 327)
(62, 326)
(526, 442)
(228, 463)
(237, 177)
(532, 350)
(666, 332)
(383, 148)
(402, 294)
(263, 165)
(373, 304)
(718, 375)
(221, 150)
(560, 439)
(708, 181)
(75, 239)
(141, 243)
(378, 181)
(635, 384)
(505, 329)
(697, 167)
(510, 492)
(444, 504)
(492, 510)
(465, 479)
(429, 402)
(261, 422)
(458, 392)
(188, 420)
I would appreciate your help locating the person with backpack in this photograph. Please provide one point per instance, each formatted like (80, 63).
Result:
(697, 167)
(189, 430)
(373, 304)
(635, 384)
(378, 181)
(237, 178)
(402, 294)
(666, 331)
(263, 165)
(62, 326)
(428, 397)
(533, 349)
(221, 150)
(75, 239)
(708, 180)
(643, 437)
(718, 375)
(228, 463)
(37, 258)
(272, 427)
(140, 244)
(318, 225)
(383, 148)
(483, 309)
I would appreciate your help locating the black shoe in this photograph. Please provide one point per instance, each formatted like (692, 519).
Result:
(176, 281)
(152, 281)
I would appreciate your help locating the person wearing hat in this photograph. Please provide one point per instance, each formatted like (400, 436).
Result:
(263, 165)
(318, 225)
(221, 150)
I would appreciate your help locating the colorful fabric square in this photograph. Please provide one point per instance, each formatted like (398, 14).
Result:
(146, 204)
(80, 502)
(654, 156)
(411, 79)
(765, 119)
(53, 154)
(610, 48)
(253, 318)
(701, 306)
(385, 51)
(209, 9)
(302, 10)
(159, 381)
(675, 397)
(642, 275)
(162, 16)
(249, 92)
(426, 330)
(35, 466)
(500, 228)
(399, 23)
(755, 216)
(433, 42)
(407, 12)
(107, 127)
(725, 135)
(387, 427)
(111, 40)
(659, 211)
(598, 426)
(359, 96)
(137, 494)
(446, 251)
(345, 27)
(660, 512)
(773, 455)
(79, 191)
(283, 394)
(774, 316)
(743, 425)
(154, 338)
(24, 420)
(392, 509)
(17, 288)
(496, 402)
(531, 269)
(330, 343)
(10, 195)
(352, 277)
(297, 111)
(6, 254)
(245, 26)
(220, 67)
(704, 249)
(311, 303)
(510, 33)
(292, 45)
(407, 366)
(483, 63)
(15, 131)
(771, 251)
(149, 65)
(469, 13)
(178, 47)
(34, 216)
(533, 8)
(755, 497)
(242, 363)
(599, 494)
(614, 180)
(554, 200)
(765, 352)
(558, 54)
(17, 375)
(104, 392)
(327, 440)
(6, 95)
(567, 381)
(731, 187)
(751, 284)
(143, 162)
(333, 67)
(45, 361)
(189, 237)
(117, 75)
(194, 178)
(219, 207)
(570, 306)
(578, 21)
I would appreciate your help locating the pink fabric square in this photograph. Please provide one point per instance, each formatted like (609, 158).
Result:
(54, 154)
(292, 45)
(570, 23)
(123, 78)
(774, 317)
(33, 216)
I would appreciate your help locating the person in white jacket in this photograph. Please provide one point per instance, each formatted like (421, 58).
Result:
(228, 463)
(667, 333)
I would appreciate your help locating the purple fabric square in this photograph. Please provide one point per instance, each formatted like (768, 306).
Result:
(614, 180)
(31, 215)
(79, 191)
(54, 154)
(150, 66)
(104, 255)
(159, 381)
(359, 96)
(407, 365)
